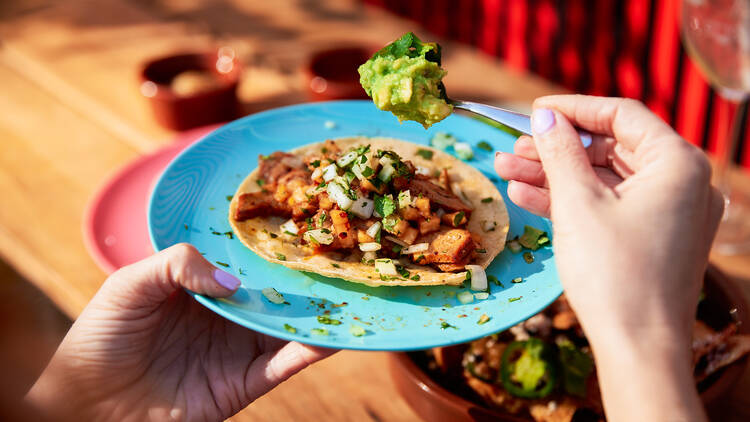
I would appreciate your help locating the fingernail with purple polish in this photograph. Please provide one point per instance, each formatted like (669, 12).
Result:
(542, 120)
(226, 280)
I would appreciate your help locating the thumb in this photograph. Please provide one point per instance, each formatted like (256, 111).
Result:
(564, 159)
(148, 283)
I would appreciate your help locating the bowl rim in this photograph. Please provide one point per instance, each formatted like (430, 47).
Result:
(404, 365)
(165, 92)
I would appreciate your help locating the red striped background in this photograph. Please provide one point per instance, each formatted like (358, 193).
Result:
(607, 47)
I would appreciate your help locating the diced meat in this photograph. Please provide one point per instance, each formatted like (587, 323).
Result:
(363, 237)
(436, 194)
(294, 175)
(409, 213)
(276, 165)
(409, 235)
(452, 247)
(429, 224)
(260, 204)
(423, 205)
(324, 201)
(342, 229)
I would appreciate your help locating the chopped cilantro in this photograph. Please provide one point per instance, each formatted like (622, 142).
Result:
(397, 248)
(223, 264)
(229, 197)
(260, 182)
(289, 233)
(273, 235)
(229, 235)
(280, 257)
(309, 222)
(325, 319)
(492, 279)
(242, 272)
(384, 205)
(415, 277)
(367, 172)
(425, 153)
(513, 299)
(486, 200)
(445, 325)
(335, 265)
(458, 218)
(484, 145)
(290, 329)
(315, 163)
(211, 208)
(322, 218)
(402, 271)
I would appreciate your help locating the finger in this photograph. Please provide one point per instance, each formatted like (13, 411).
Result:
(565, 161)
(533, 199)
(716, 205)
(150, 282)
(273, 368)
(615, 117)
(524, 147)
(513, 167)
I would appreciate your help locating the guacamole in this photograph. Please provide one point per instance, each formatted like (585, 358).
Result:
(405, 78)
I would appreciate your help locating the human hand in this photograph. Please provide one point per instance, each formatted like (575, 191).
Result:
(633, 218)
(144, 349)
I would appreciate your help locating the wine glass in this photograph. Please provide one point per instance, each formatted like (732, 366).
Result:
(716, 35)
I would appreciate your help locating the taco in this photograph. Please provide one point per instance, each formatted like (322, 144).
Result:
(377, 211)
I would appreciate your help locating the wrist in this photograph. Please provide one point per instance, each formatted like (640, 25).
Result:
(652, 367)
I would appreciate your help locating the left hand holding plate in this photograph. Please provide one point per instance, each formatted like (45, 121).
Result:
(144, 349)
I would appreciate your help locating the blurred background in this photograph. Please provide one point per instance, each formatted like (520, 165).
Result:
(98, 96)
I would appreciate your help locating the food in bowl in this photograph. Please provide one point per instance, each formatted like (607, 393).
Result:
(542, 369)
(377, 211)
(192, 82)
(404, 78)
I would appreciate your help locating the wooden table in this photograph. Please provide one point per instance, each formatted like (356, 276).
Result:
(72, 114)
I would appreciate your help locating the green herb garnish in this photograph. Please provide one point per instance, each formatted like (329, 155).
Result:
(280, 257)
(325, 319)
(260, 182)
(415, 277)
(384, 205)
(335, 265)
(458, 218)
(367, 172)
(531, 236)
(223, 264)
(290, 329)
(425, 153)
(486, 200)
(309, 222)
(514, 299)
(319, 331)
(484, 145)
(492, 279)
(315, 163)
(229, 197)
(444, 325)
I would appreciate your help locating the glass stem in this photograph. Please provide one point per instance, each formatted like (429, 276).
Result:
(726, 159)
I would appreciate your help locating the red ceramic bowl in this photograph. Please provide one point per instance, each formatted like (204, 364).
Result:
(432, 402)
(332, 74)
(181, 112)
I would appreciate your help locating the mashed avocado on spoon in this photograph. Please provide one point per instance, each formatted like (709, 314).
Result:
(404, 78)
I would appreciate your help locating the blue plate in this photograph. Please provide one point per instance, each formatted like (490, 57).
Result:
(190, 204)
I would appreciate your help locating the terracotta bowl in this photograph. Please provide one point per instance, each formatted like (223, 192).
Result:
(180, 112)
(332, 74)
(724, 303)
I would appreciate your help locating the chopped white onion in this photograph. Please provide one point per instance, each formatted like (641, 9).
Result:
(404, 199)
(424, 171)
(397, 241)
(386, 160)
(316, 174)
(478, 277)
(373, 230)
(369, 256)
(386, 267)
(337, 193)
(369, 247)
(319, 236)
(465, 297)
(488, 225)
(272, 295)
(440, 212)
(347, 158)
(481, 295)
(386, 173)
(415, 248)
(329, 172)
(363, 208)
(289, 227)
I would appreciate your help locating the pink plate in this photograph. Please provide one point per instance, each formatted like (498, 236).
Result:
(114, 225)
